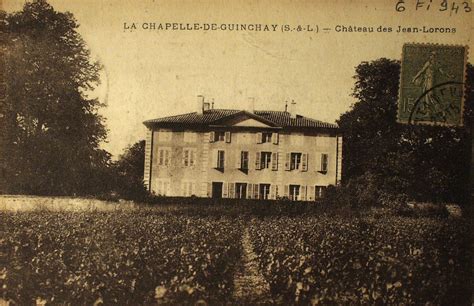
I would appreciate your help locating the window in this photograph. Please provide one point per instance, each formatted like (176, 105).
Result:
(264, 160)
(294, 192)
(240, 190)
(220, 159)
(164, 156)
(324, 162)
(220, 136)
(190, 137)
(244, 160)
(264, 191)
(319, 191)
(266, 137)
(188, 188)
(189, 157)
(163, 187)
(295, 161)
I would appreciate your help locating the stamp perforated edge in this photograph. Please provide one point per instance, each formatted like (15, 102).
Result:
(464, 96)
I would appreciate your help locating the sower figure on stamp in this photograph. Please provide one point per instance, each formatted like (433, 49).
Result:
(426, 78)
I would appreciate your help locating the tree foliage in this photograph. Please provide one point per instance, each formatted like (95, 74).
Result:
(428, 163)
(128, 172)
(52, 126)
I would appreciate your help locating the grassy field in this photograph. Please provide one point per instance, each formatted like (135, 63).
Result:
(188, 255)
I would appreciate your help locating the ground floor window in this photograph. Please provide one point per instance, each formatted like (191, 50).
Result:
(188, 188)
(319, 191)
(294, 192)
(264, 193)
(241, 190)
(163, 187)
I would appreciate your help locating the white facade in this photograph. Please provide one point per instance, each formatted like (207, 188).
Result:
(242, 157)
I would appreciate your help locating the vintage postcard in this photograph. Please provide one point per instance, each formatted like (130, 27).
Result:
(280, 152)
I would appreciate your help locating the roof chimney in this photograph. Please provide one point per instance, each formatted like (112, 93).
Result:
(252, 104)
(206, 106)
(293, 109)
(200, 104)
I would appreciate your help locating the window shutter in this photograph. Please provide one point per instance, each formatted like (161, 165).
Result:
(257, 161)
(185, 156)
(214, 158)
(275, 161)
(225, 190)
(239, 160)
(223, 159)
(311, 193)
(227, 137)
(287, 161)
(272, 192)
(303, 193)
(212, 136)
(256, 190)
(232, 190)
(247, 166)
(287, 191)
(324, 162)
(249, 191)
(275, 138)
(304, 162)
(259, 137)
(167, 157)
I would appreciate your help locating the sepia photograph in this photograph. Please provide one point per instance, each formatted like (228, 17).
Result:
(285, 152)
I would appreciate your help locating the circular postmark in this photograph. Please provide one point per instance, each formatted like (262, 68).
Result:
(438, 104)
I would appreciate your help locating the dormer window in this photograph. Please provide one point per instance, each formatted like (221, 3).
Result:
(266, 137)
(219, 136)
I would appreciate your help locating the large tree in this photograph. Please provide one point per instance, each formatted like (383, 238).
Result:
(52, 126)
(425, 162)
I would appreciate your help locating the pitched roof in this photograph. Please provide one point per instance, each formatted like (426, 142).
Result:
(212, 116)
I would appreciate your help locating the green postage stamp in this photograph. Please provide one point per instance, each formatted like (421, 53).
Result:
(432, 84)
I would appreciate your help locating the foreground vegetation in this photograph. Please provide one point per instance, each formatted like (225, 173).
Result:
(118, 257)
(388, 260)
(183, 256)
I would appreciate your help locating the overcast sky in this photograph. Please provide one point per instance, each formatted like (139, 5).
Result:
(151, 73)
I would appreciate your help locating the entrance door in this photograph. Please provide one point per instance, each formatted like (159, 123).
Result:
(217, 190)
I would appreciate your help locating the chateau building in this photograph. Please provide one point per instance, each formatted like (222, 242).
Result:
(224, 153)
